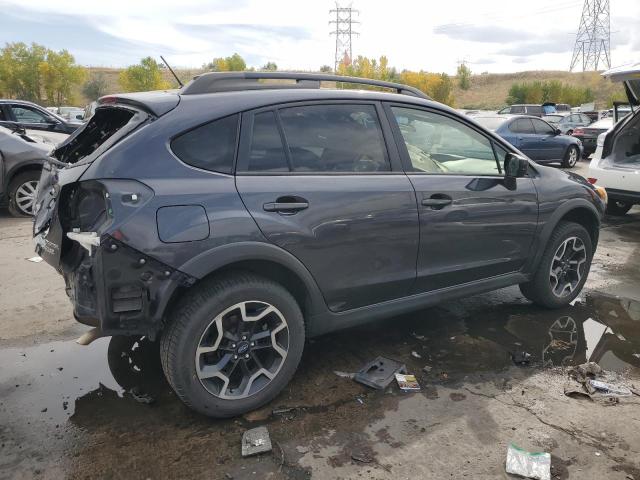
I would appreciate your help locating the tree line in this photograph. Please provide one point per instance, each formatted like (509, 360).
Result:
(550, 91)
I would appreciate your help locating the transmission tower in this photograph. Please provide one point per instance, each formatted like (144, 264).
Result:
(344, 31)
(593, 41)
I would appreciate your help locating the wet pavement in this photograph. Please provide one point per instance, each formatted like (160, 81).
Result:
(105, 411)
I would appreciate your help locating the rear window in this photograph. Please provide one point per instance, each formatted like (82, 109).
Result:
(490, 123)
(211, 146)
(105, 127)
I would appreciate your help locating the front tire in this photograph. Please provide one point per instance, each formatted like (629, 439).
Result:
(22, 193)
(615, 207)
(232, 344)
(571, 157)
(563, 268)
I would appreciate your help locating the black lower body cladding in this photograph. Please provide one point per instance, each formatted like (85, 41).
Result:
(122, 290)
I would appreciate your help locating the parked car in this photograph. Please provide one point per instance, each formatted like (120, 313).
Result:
(553, 119)
(589, 135)
(34, 117)
(616, 161)
(71, 114)
(243, 216)
(524, 109)
(562, 107)
(21, 160)
(536, 138)
(569, 123)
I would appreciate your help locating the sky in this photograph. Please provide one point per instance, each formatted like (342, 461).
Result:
(490, 35)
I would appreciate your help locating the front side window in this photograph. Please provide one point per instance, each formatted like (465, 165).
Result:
(334, 138)
(28, 115)
(440, 144)
(211, 146)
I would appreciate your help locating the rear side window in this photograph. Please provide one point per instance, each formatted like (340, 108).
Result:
(517, 109)
(211, 146)
(522, 125)
(335, 138)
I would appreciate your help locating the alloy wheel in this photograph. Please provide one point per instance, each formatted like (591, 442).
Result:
(242, 350)
(573, 156)
(567, 267)
(25, 196)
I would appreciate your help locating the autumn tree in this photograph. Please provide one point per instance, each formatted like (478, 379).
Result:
(269, 67)
(326, 69)
(95, 87)
(143, 77)
(234, 63)
(464, 76)
(59, 74)
(20, 74)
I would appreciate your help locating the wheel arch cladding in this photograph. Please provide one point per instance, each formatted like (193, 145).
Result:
(266, 260)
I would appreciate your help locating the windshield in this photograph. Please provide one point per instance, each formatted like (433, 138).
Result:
(490, 123)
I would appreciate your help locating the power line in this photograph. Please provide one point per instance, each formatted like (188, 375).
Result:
(593, 41)
(344, 32)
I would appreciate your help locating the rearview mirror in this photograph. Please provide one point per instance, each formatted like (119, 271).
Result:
(515, 166)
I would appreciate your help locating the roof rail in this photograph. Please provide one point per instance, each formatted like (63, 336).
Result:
(234, 81)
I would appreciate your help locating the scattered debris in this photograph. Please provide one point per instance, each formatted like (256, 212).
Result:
(637, 355)
(141, 397)
(416, 354)
(379, 373)
(407, 383)
(255, 441)
(621, 337)
(344, 374)
(281, 411)
(521, 358)
(598, 454)
(427, 368)
(35, 259)
(528, 464)
(422, 338)
(583, 372)
(610, 390)
(362, 457)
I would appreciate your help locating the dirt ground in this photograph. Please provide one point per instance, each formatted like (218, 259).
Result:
(68, 411)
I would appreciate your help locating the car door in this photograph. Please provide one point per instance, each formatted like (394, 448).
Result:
(472, 227)
(524, 137)
(32, 118)
(550, 146)
(321, 182)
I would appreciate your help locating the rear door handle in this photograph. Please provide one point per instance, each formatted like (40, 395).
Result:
(285, 207)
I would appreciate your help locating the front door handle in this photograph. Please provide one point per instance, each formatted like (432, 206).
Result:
(436, 202)
(286, 205)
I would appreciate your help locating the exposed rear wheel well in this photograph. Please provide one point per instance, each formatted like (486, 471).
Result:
(587, 219)
(33, 167)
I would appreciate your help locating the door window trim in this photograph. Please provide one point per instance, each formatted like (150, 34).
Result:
(404, 153)
(246, 132)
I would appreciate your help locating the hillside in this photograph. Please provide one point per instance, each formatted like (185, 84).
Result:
(488, 91)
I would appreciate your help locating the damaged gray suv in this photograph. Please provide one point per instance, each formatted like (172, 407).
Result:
(246, 212)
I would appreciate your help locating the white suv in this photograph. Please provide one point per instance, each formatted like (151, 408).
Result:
(616, 161)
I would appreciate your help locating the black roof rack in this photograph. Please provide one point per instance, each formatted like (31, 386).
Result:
(234, 81)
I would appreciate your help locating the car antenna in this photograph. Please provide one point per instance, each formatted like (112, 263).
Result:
(172, 72)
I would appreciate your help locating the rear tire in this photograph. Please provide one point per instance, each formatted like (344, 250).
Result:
(571, 157)
(232, 344)
(615, 207)
(563, 268)
(22, 191)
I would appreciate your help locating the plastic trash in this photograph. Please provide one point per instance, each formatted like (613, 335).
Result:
(407, 383)
(255, 441)
(379, 373)
(528, 464)
(609, 389)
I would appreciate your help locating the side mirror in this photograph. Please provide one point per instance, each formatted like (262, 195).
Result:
(515, 166)
(557, 131)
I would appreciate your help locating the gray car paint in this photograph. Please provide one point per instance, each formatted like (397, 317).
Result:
(354, 268)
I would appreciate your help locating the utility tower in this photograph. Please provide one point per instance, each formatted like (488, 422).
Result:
(343, 21)
(593, 41)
